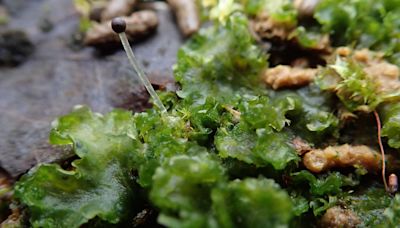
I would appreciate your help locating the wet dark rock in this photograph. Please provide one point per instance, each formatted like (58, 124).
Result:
(56, 78)
(15, 47)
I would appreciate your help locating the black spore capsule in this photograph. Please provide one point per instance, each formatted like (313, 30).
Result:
(118, 24)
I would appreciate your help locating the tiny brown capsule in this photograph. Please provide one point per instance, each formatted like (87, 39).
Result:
(393, 183)
(118, 24)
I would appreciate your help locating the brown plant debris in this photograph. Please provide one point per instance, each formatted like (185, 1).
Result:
(319, 160)
(283, 76)
(187, 15)
(117, 8)
(138, 25)
(336, 217)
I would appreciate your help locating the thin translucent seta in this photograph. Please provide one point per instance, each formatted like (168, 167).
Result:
(139, 70)
(378, 123)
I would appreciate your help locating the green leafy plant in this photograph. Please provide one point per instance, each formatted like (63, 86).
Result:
(223, 154)
(97, 183)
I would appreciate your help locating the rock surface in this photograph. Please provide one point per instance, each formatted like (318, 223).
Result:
(56, 78)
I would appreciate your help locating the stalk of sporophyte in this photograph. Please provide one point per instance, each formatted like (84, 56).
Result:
(392, 186)
(119, 26)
